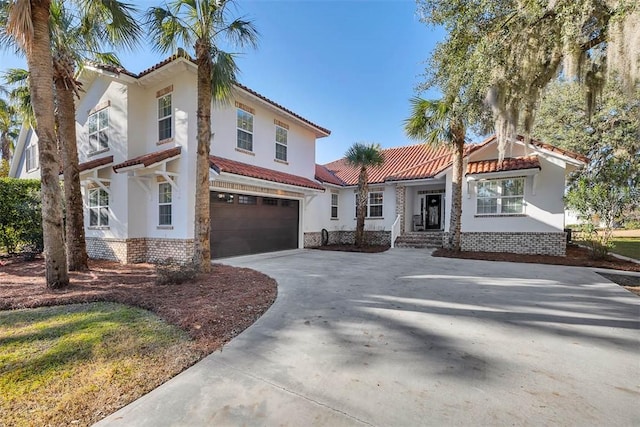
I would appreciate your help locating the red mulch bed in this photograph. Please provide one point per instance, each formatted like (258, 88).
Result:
(576, 256)
(213, 308)
(369, 249)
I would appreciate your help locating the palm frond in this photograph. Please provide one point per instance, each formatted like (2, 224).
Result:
(19, 23)
(364, 155)
(224, 72)
(166, 29)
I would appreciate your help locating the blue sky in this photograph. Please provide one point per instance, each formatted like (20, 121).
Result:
(349, 66)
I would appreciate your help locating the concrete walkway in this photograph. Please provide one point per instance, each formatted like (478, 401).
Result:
(403, 339)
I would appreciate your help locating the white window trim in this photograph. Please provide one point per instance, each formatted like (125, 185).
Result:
(31, 160)
(98, 207)
(500, 197)
(284, 144)
(160, 203)
(238, 128)
(169, 116)
(369, 205)
(335, 205)
(97, 148)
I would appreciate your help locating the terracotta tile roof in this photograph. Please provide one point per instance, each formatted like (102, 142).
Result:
(275, 104)
(149, 159)
(182, 54)
(325, 175)
(102, 161)
(237, 168)
(551, 148)
(508, 164)
(418, 161)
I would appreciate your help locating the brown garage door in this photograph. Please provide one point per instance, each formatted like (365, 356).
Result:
(243, 224)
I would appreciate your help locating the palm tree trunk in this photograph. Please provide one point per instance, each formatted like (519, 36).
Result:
(77, 259)
(5, 149)
(40, 66)
(202, 221)
(363, 193)
(456, 193)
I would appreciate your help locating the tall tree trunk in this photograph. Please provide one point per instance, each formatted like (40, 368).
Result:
(202, 221)
(5, 148)
(77, 259)
(456, 193)
(41, 74)
(363, 194)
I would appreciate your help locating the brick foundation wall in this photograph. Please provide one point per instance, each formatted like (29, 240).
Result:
(136, 250)
(110, 249)
(518, 243)
(341, 237)
(181, 250)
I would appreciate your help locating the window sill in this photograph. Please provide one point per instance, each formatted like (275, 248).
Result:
(32, 170)
(164, 141)
(372, 218)
(95, 153)
(499, 215)
(99, 227)
(284, 162)
(334, 219)
(243, 151)
(165, 227)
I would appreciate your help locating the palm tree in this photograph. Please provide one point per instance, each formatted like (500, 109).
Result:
(8, 129)
(28, 25)
(203, 25)
(363, 156)
(441, 122)
(74, 42)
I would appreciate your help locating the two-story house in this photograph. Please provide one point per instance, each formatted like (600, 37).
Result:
(137, 150)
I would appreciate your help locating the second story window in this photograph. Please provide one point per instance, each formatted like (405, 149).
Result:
(164, 117)
(31, 157)
(281, 143)
(245, 130)
(99, 130)
(164, 203)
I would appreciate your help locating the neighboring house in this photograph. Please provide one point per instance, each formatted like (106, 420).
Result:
(511, 206)
(137, 148)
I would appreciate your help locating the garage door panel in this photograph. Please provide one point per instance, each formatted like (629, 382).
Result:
(238, 229)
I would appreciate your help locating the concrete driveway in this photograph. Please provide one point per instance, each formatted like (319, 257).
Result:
(403, 339)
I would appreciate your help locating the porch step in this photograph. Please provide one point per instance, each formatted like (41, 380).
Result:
(420, 239)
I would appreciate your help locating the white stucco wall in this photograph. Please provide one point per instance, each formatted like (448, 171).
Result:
(300, 140)
(544, 206)
(318, 214)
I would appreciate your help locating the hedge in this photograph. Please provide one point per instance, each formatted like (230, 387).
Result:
(20, 216)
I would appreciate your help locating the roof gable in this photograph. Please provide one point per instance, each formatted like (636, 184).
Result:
(182, 57)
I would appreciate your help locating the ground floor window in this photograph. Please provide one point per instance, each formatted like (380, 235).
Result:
(500, 196)
(374, 204)
(98, 207)
(164, 203)
(334, 206)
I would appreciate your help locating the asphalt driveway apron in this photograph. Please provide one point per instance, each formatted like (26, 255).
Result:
(403, 339)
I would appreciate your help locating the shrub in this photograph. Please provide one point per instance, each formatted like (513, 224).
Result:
(170, 272)
(20, 215)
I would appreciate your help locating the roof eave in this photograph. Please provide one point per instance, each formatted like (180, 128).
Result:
(266, 182)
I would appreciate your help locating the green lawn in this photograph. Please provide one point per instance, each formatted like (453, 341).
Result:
(75, 364)
(627, 246)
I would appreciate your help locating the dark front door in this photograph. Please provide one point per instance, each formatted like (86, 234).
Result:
(433, 212)
(243, 224)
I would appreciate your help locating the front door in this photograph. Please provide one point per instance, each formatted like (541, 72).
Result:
(433, 211)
